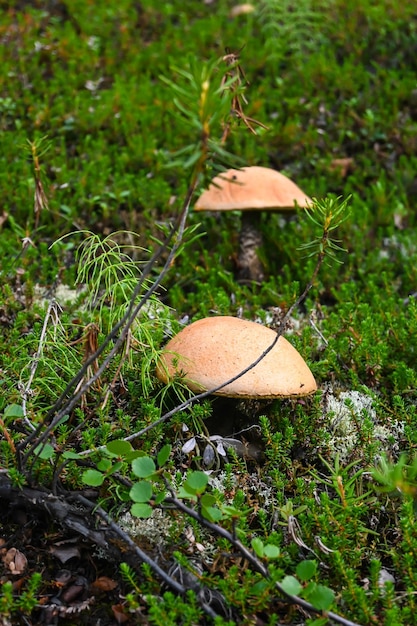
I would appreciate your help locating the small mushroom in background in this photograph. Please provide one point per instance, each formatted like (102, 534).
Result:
(241, 9)
(212, 350)
(251, 190)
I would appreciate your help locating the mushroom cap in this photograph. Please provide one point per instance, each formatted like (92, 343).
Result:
(213, 350)
(252, 188)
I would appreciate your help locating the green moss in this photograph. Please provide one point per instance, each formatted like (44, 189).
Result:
(331, 80)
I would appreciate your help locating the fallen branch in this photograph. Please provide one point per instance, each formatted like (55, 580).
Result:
(81, 515)
(253, 560)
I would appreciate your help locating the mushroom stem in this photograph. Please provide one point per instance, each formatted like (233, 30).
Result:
(251, 190)
(250, 240)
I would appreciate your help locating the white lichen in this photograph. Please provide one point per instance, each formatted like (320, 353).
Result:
(155, 529)
(346, 412)
(62, 294)
(265, 494)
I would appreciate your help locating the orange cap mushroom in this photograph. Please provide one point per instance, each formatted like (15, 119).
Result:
(212, 350)
(251, 190)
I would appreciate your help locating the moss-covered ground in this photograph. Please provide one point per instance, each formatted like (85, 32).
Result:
(105, 132)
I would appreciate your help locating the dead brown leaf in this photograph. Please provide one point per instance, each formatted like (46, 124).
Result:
(64, 552)
(119, 613)
(103, 583)
(15, 561)
(342, 166)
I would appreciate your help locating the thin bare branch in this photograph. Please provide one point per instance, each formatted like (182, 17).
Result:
(252, 559)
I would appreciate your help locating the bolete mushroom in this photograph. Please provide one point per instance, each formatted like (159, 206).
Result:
(251, 190)
(212, 350)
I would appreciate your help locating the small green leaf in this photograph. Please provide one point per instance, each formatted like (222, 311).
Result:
(299, 509)
(207, 499)
(212, 513)
(13, 411)
(140, 509)
(93, 478)
(305, 570)
(143, 467)
(163, 455)
(258, 547)
(319, 596)
(134, 454)
(160, 498)
(71, 455)
(259, 588)
(115, 468)
(183, 494)
(196, 482)
(232, 512)
(290, 585)
(271, 551)
(44, 451)
(141, 491)
(104, 465)
(320, 621)
(118, 447)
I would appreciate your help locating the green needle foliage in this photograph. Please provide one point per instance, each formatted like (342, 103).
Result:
(293, 30)
(328, 215)
(11, 606)
(202, 97)
(399, 477)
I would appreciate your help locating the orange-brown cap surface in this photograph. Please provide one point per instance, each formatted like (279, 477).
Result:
(212, 350)
(252, 188)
